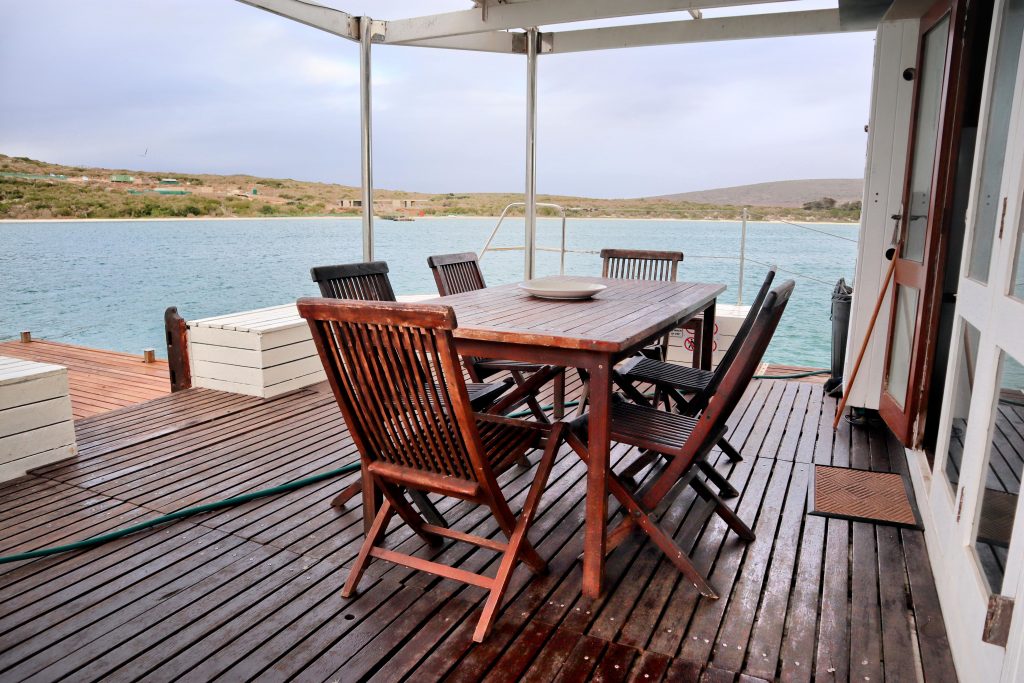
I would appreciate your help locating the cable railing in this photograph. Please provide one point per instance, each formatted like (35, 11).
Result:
(562, 249)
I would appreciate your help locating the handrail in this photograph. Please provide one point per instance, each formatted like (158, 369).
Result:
(561, 250)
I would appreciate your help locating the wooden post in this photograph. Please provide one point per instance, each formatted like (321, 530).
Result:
(26, 337)
(148, 355)
(176, 332)
(743, 256)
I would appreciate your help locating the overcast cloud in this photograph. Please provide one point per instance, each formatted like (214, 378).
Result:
(219, 87)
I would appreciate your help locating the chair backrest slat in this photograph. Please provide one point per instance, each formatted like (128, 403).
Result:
(738, 340)
(397, 379)
(456, 273)
(639, 264)
(711, 423)
(363, 281)
(742, 369)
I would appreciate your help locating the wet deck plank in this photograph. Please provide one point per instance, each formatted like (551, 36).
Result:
(252, 592)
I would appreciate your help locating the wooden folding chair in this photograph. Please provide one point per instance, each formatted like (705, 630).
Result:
(663, 266)
(370, 282)
(689, 389)
(638, 264)
(685, 442)
(458, 273)
(397, 378)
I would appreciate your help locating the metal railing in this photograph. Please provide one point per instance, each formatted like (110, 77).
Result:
(561, 250)
(742, 257)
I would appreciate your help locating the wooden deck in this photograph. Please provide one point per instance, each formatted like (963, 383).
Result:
(99, 380)
(783, 371)
(253, 592)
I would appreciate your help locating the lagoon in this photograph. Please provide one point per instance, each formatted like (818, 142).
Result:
(106, 283)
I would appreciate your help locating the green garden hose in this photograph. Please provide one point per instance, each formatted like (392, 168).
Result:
(206, 507)
(179, 514)
(798, 375)
(246, 497)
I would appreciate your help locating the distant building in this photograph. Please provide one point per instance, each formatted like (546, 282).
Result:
(387, 204)
(122, 178)
(168, 181)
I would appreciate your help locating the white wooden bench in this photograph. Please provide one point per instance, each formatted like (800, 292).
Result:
(264, 353)
(36, 427)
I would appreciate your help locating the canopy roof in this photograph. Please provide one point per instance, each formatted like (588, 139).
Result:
(500, 25)
(513, 27)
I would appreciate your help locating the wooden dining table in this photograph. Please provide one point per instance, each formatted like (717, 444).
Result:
(592, 335)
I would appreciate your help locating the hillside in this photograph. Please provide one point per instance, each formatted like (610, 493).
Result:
(32, 189)
(785, 193)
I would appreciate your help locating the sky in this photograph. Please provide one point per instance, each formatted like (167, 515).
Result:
(215, 86)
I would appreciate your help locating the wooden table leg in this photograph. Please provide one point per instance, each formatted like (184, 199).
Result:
(599, 445)
(558, 398)
(707, 332)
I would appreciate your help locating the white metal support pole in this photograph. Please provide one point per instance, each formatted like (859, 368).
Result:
(366, 138)
(531, 154)
(743, 256)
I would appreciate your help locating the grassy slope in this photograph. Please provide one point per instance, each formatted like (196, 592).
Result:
(216, 195)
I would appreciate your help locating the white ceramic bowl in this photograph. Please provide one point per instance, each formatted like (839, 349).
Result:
(560, 288)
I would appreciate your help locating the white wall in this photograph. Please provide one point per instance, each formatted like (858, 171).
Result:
(891, 98)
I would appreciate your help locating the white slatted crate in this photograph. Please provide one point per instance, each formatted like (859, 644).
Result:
(36, 426)
(728, 319)
(264, 353)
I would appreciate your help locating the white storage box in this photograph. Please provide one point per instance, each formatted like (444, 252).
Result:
(36, 426)
(728, 319)
(262, 353)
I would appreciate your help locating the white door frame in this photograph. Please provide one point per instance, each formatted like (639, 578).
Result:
(952, 517)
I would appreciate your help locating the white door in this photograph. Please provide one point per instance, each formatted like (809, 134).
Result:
(975, 486)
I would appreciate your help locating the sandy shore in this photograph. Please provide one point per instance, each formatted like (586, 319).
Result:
(417, 218)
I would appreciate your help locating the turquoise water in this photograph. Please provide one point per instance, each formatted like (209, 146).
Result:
(106, 284)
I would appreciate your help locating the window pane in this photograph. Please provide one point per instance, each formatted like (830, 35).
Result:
(1002, 474)
(902, 343)
(1018, 269)
(963, 387)
(926, 132)
(991, 173)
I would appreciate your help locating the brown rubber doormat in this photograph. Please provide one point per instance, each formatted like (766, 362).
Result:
(862, 496)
